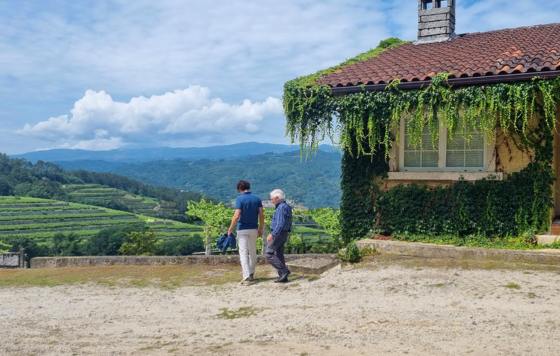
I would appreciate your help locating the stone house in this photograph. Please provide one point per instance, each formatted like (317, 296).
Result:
(485, 59)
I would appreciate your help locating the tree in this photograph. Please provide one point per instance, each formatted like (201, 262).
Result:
(181, 246)
(31, 247)
(216, 219)
(108, 242)
(328, 219)
(4, 247)
(67, 245)
(5, 187)
(140, 243)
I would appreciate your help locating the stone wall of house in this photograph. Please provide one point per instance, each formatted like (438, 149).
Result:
(510, 157)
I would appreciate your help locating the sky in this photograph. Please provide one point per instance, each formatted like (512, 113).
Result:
(107, 74)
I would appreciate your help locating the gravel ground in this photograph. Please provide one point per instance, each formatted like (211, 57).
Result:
(413, 307)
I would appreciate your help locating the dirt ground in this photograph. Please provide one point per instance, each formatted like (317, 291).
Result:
(413, 307)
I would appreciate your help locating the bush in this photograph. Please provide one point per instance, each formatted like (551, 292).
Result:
(351, 253)
(4, 247)
(117, 205)
(67, 245)
(5, 187)
(139, 243)
(182, 246)
(516, 206)
(107, 242)
(31, 247)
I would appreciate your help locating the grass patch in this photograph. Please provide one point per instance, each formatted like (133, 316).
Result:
(438, 285)
(243, 312)
(419, 263)
(167, 277)
(513, 285)
(509, 243)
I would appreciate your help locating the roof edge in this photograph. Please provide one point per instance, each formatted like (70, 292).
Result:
(454, 82)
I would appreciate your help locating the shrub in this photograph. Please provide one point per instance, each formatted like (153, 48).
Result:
(351, 253)
(67, 245)
(139, 243)
(516, 206)
(181, 246)
(4, 247)
(31, 247)
(107, 242)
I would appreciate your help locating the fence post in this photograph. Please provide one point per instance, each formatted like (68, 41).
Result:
(22, 258)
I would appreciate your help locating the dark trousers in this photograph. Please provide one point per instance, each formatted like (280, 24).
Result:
(275, 253)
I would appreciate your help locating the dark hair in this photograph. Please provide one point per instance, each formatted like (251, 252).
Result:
(243, 185)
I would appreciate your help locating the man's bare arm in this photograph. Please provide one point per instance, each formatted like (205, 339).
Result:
(234, 220)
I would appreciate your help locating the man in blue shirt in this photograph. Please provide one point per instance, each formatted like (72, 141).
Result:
(249, 220)
(280, 228)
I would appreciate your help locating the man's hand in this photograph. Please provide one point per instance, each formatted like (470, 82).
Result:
(260, 233)
(269, 238)
(229, 232)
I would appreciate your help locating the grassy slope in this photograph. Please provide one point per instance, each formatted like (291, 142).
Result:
(40, 219)
(95, 194)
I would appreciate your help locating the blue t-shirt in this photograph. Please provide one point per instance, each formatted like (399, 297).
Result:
(249, 205)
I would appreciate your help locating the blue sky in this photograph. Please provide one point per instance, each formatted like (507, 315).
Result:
(111, 73)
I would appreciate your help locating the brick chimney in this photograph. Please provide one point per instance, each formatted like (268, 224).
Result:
(436, 20)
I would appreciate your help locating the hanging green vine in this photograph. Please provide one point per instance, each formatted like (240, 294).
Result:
(484, 108)
(314, 114)
(310, 107)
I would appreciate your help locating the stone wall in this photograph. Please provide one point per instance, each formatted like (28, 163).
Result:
(56, 262)
(10, 260)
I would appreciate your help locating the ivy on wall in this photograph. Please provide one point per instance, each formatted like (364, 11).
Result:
(365, 124)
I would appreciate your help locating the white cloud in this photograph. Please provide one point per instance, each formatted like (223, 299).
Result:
(52, 51)
(97, 121)
(97, 144)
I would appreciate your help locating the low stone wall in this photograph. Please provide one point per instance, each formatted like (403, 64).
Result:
(13, 260)
(57, 262)
(546, 257)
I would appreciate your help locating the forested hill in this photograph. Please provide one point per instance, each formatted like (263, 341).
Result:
(49, 181)
(313, 182)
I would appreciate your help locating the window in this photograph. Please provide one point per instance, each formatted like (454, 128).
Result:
(427, 4)
(434, 4)
(465, 151)
(424, 156)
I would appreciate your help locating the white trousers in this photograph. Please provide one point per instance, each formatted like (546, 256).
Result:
(247, 240)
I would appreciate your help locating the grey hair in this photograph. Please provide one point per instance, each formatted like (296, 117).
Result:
(279, 193)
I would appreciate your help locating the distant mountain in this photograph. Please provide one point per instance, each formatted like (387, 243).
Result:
(313, 182)
(163, 153)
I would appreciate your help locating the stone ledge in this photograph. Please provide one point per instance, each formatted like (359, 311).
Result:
(547, 239)
(443, 176)
(89, 261)
(415, 249)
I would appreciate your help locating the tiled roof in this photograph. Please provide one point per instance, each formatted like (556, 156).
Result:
(510, 51)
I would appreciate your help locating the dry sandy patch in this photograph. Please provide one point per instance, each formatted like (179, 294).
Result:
(381, 307)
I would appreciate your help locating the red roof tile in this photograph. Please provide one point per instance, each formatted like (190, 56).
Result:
(510, 51)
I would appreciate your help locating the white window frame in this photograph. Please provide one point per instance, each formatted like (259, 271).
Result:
(489, 163)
